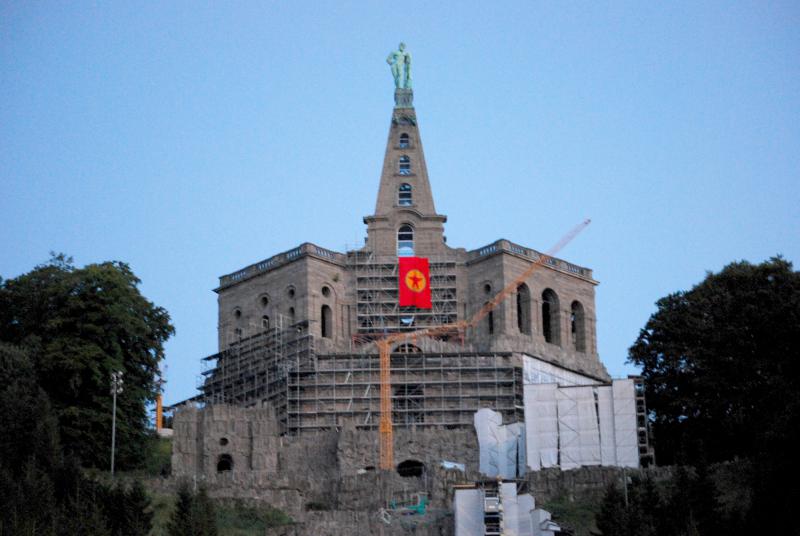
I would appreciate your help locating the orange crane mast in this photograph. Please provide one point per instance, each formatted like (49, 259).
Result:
(386, 440)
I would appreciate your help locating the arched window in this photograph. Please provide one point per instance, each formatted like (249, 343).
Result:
(490, 322)
(523, 308)
(404, 195)
(405, 241)
(224, 463)
(404, 144)
(550, 317)
(326, 321)
(291, 315)
(405, 165)
(265, 322)
(578, 326)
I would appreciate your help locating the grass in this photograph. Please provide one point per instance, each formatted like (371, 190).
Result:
(235, 518)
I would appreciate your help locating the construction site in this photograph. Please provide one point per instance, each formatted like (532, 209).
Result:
(333, 399)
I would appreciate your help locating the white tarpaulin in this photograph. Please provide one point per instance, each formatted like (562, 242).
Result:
(581, 425)
(538, 371)
(468, 507)
(608, 451)
(578, 432)
(626, 441)
(501, 447)
(541, 425)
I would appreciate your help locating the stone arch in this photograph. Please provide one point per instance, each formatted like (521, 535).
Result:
(411, 468)
(326, 321)
(524, 309)
(551, 317)
(224, 463)
(577, 323)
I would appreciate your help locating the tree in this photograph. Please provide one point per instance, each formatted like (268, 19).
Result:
(719, 363)
(722, 377)
(194, 513)
(79, 325)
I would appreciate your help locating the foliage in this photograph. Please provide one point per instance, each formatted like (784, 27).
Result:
(722, 376)
(194, 513)
(576, 514)
(720, 366)
(78, 325)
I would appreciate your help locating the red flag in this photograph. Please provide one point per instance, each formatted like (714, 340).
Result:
(415, 287)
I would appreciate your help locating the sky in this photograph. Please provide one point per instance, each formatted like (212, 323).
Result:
(190, 139)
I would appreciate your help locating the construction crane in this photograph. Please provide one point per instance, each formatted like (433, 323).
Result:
(386, 436)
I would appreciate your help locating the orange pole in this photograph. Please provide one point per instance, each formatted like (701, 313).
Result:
(159, 413)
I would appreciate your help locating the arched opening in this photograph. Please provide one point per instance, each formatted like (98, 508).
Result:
(405, 241)
(411, 468)
(265, 322)
(524, 309)
(490, 322)
(578, 326)
(550, 317)
(223, 441)
(404, 167)
(404, 198)
(407, 348)
(224, 463)
(404, 142)
(291, 315)
(326, 321)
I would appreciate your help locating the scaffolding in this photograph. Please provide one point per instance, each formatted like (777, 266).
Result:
(428, 390)
(377, 309)
(255, 369)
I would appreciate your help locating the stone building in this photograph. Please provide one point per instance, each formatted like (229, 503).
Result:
(297, 328)
(290, 404)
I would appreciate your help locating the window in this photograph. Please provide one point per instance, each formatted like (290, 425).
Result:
(405, 165)
(490, 322)
(523, 309)
(578, 326)
(326, 291)
(404, 195)
(264, 301)
(326, 321)
(290, 292)
(265, 322)
(404, 143)
(291, 315)
(224, 463)
(405, 241)
(237, 313)
(550, 317)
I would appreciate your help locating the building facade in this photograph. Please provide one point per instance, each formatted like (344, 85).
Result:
(298, 328)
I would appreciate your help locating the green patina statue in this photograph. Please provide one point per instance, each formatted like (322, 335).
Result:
(400, 61)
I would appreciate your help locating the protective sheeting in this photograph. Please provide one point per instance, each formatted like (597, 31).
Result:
(625, 438)
(605, 409)
(576, 426)
(501, 447)
(520, 517)
(538, 371)
(468, 507)
(541, 425)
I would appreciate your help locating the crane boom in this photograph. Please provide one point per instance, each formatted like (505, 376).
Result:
(386, 440)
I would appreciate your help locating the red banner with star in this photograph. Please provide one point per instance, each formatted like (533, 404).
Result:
(415, 287)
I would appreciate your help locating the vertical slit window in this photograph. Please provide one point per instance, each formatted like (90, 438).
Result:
(550, 317)
(326, 322)
(523, 309)
(578, 326)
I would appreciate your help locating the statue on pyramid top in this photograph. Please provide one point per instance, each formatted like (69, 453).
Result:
(400, 62)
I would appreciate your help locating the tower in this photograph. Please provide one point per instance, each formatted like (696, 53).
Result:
(405, 221)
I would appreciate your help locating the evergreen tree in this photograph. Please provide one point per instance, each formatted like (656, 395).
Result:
(138, 514)
(205, 514)
(182, 522)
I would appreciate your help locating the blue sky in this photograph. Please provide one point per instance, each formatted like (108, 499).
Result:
(191, 139)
